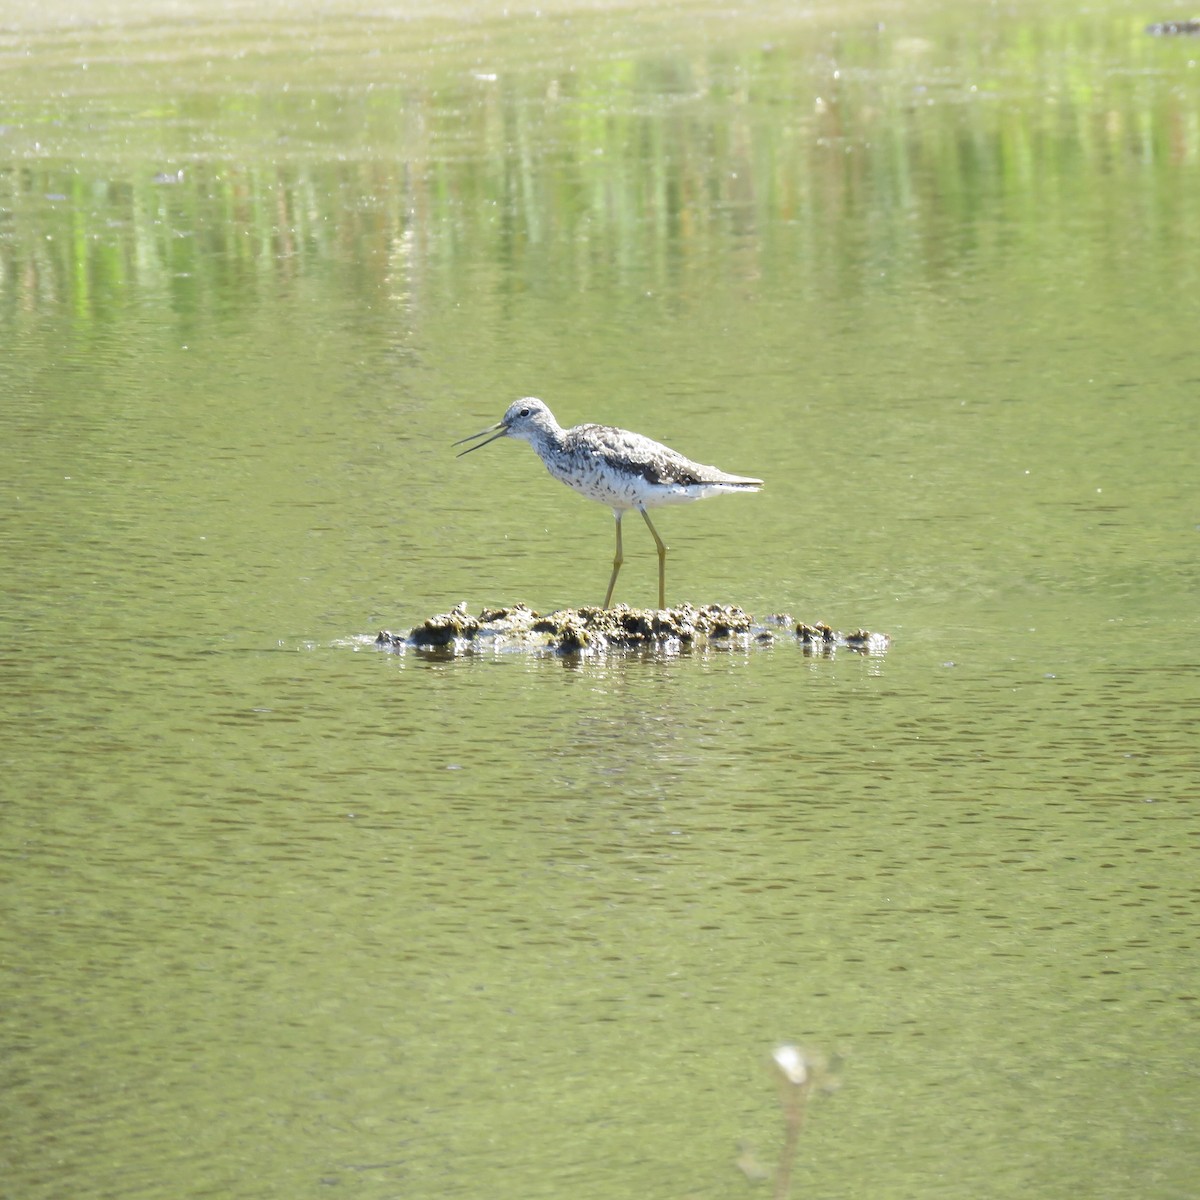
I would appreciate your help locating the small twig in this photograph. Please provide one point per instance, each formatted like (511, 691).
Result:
(796, 1079)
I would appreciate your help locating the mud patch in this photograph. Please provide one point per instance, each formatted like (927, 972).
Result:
(603, 630)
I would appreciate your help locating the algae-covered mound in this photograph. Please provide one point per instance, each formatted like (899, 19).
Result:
(596, 630)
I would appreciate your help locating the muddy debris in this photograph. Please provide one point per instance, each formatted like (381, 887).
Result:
(570, 631)
(445, 629)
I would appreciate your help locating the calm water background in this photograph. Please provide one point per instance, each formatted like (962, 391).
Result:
(288, 917)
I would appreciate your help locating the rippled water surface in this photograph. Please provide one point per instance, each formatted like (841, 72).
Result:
(286, 916)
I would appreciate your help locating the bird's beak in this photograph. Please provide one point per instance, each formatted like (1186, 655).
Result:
(498, 430)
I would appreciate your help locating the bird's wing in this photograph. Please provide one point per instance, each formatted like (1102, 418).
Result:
(634, 453)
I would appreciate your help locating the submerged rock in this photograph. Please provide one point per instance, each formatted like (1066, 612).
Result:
(596, 630)
(1174, 28)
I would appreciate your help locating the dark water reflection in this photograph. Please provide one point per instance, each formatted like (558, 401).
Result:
(285, 915)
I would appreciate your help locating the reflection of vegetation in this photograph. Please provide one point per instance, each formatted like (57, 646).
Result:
(831, 158)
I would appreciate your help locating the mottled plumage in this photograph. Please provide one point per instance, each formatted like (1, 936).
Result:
(615, 467)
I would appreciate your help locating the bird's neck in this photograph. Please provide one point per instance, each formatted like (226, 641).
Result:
(546, 437)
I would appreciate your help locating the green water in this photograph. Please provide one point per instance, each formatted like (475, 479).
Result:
(285, 916)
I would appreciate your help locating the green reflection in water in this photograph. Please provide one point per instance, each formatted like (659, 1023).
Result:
(828, 154)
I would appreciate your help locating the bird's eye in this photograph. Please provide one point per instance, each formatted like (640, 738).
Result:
(524, 412)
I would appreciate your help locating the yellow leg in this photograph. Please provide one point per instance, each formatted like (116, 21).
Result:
(662, 560)
(617, 561)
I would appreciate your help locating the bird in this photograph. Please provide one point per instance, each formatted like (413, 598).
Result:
(614, 467)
